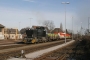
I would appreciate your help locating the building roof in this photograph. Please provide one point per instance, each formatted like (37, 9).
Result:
(1, 26)
(11, 31)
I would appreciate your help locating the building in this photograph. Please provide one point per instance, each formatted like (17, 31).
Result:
(1, 31)
(9, 33)
(12, 33)
(57, 30)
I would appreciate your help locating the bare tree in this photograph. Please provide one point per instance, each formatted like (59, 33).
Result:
(22, 31)
(86, 31)
(49, 24)
(46, 23)
(69, 31)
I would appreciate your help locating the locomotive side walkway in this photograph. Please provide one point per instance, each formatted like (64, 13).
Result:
(36, 54)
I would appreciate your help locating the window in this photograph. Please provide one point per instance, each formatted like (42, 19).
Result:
(0, 29)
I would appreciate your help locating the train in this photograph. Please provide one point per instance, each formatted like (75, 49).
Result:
(39, 34)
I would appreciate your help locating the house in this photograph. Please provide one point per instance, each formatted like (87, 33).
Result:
(9, 33)
(12, 33)
(57, 30)
(1, 31)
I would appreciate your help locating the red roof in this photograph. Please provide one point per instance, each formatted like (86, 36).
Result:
(61, 33)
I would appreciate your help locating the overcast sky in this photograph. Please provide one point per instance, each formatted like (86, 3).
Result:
(15, 12)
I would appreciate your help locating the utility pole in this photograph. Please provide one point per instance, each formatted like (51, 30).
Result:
(72, 28)
(59, 29)
(77, 31)
(16, 34)
(88, 24)
(65, 3)
(19, 30)
(81, 29)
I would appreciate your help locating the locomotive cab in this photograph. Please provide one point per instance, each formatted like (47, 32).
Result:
(35, 35)
(29, 36)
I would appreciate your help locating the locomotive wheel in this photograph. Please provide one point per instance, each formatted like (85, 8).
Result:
(45, 41)
(38, 42)
(33, 41)
(25, 41)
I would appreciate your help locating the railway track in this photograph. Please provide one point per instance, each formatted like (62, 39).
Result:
(6, 42)
(14, 45)
(8, 45)
(59, 54)
(16, 51)
(2, 47)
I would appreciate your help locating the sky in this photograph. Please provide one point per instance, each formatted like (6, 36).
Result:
(25, 13)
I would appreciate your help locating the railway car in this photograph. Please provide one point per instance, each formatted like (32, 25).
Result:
(62, 35)
(52, 36)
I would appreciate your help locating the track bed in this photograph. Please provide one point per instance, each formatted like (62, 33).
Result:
(59, 54)
(16, 52)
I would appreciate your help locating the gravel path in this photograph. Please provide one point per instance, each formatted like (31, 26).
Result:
(40, 52)
(58, 54)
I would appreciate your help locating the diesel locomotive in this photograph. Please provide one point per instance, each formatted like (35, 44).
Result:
(35, 35)
(39, 34)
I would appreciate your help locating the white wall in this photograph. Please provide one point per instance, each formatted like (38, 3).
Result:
(1, 36)
(19, 36)
(0, 33)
